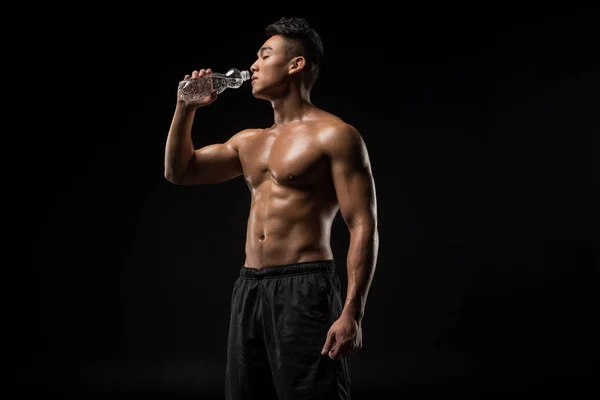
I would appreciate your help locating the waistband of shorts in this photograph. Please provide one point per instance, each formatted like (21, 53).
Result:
(309, 267)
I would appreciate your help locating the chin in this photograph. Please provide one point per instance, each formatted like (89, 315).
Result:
(259, 95)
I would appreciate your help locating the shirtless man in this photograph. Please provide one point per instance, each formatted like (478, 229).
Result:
(290, 334)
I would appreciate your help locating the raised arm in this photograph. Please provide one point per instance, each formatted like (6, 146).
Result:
(214, 163)
(355, 189)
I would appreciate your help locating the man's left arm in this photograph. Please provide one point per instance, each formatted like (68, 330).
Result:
(355, 188)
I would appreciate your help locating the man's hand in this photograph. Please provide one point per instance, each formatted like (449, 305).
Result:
(343, 339)
(204, 101)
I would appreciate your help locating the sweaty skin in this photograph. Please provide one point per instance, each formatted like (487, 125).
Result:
(289, 171)
(301, 171)
(295, 195)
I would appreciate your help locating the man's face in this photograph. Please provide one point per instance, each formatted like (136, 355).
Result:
(271, 67)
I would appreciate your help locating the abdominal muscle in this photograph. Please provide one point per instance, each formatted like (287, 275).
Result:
(288, 225)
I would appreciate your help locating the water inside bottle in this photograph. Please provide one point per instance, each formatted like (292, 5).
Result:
(220, 84)
(195, 89)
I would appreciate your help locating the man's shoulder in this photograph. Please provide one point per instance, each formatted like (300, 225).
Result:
(327, 119)
(335, 131)
(244, 135)
(248, 132)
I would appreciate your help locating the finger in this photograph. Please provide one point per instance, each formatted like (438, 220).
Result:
(201, 73)
(194, 74)
(212, 96)
(335, 353)
(208, 71)
(328, 343)
(343, 349)
(186, 77)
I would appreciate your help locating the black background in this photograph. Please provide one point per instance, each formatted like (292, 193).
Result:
(482, 128)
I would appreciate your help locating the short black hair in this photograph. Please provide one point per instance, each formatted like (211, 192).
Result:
(311, 46)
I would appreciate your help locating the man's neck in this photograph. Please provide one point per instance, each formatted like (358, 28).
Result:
(291, 107)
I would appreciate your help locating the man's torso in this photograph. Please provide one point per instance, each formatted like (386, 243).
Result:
(293, 201)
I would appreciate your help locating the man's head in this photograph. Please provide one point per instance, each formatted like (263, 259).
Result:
(293, 48)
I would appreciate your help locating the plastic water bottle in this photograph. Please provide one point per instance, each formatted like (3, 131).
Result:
(191, 90)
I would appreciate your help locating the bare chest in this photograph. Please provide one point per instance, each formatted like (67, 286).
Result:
(288, 158)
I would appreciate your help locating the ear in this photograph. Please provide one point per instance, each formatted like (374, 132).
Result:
(297, 64)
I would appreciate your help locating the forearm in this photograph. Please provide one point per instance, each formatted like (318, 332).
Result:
(361, 262)
(179, 148)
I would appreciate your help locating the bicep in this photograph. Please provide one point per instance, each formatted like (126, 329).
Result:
(354, 183)
(213, 164)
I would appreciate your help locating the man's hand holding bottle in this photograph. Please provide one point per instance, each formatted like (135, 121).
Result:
(198, 79)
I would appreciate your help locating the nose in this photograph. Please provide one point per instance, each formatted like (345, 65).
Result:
(254, 67)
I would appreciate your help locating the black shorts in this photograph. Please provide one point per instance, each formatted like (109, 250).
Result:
(279, 321)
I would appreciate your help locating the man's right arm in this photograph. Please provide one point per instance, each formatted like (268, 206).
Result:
(185, 165)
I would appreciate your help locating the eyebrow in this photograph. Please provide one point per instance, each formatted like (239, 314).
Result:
(263, 49)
